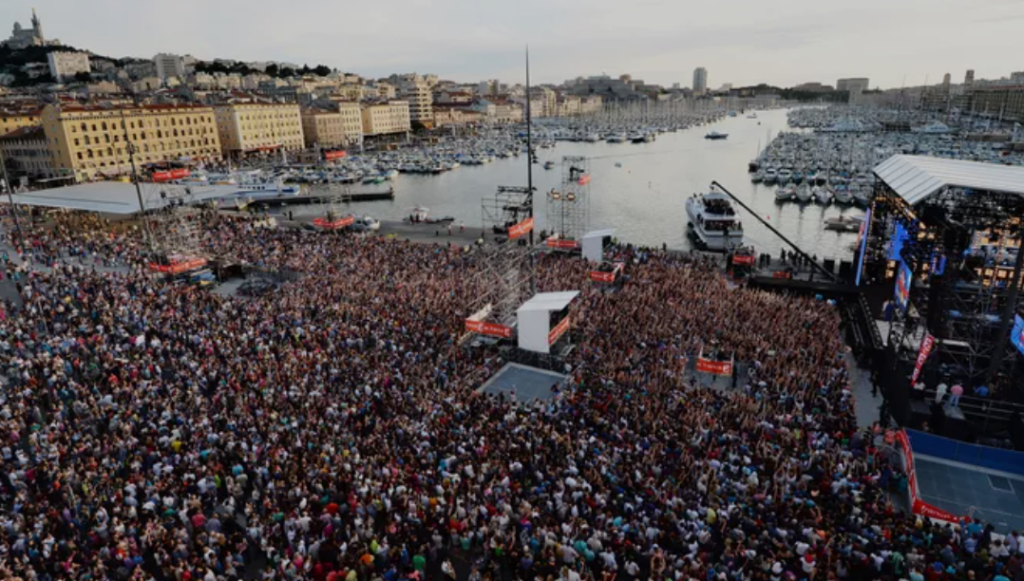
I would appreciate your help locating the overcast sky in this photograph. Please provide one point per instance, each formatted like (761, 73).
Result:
(781, 42)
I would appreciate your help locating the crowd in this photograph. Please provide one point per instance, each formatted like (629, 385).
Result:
(331, 430)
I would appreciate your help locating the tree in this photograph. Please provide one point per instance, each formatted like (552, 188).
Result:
(287, 72)
(304, 70)
(322, 70)
(272, 70)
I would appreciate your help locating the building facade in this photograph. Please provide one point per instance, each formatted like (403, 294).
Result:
(11, 120)
(854, 85)
(169, 65)
(1004, 103)
(91, 141)
(416, 91)
(65, 65)
(700, 80)
(386, 118)
(26, 153)
(246, 128)
(327, 128)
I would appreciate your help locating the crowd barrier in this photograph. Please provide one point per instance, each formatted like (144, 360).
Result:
(956, 451)
(901, 441)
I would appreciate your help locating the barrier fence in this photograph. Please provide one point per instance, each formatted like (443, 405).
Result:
(956, 451)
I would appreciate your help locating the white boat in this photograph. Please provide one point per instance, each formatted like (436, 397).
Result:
(770, 176)
(822, 195)
(592, 138)
(713, 223)
(785, 193)
(616, 138)
(804, 194)
(843, 196)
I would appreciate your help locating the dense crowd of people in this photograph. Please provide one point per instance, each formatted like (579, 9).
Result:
(332, 429)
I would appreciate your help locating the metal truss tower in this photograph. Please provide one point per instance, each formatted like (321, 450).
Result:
(507, 268)
(568, 207)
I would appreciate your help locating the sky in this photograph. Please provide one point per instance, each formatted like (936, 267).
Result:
(743, 42)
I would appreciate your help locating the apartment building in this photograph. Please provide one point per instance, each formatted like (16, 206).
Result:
(385, 118)
(332, 128)
(11, 120)
(65, 64)
(26, 153)
(246, 128)
(90, 141)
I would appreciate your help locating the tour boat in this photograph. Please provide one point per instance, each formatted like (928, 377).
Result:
(713, 222)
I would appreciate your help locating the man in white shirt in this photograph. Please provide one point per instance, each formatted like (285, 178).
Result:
(940, 392)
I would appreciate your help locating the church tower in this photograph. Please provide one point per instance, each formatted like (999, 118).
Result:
(37, 27)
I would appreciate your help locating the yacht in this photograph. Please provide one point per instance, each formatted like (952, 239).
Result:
(713, 223)
(616, 138)
(716, 135)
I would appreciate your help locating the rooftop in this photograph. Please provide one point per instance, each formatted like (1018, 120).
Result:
(915, 178)
(25, 133)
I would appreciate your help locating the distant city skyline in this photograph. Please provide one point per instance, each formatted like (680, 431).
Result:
(653, 40)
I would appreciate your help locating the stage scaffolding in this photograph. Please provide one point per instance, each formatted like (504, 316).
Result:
(568, 206)
(964, 304)
(506, 275)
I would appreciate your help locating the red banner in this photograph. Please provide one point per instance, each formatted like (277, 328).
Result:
(489, 329)
(922, 355)
(584, 179)
(559, 330)
(603, 276)
(332, 155)
(521, 228)
(919, 506)
(178, 266)
(564, 244)
(335, 224)
(177, 174)
(161, 176)
(743, 259)
(714, 367)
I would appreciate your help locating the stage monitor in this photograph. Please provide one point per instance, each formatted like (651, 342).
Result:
(904, 276)
(865, 228)
(899, 238)
(1017, 335)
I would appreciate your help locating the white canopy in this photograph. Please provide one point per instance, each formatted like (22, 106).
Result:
(915, 177)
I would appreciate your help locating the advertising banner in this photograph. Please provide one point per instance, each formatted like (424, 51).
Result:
(521, 228)
(743, 259)
(332, 155)
(710, 366)
(334, 224)
(918, 506)
(584, 179)
(555, 334)
(922, 355)
(178, 266)
(489, 329)
(563, 244)
(161, 176)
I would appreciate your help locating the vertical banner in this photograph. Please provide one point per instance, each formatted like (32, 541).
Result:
(922, 355)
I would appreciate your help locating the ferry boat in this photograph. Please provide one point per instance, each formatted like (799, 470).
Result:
(713, 223)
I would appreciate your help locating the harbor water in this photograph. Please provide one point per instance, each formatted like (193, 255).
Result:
(638, 189)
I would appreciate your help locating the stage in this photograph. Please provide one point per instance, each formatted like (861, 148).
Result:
(993, 496)
(528, 383)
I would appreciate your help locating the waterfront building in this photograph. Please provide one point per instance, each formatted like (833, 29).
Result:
(416, 90)
(65, 64)
(332, 128)
(700, 80)
(246, 128)
(853, 85)
(385, 118)
(1005, 103)
(26, 153)
(169, 65)
(90, 141)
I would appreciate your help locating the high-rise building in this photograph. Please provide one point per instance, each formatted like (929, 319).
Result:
(854, 85)
(416, 91)
(169, 65)
(946, 79)
(700, 80)
(969, 77)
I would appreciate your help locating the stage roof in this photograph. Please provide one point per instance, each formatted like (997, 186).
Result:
(118, 197)
(549, 301)
(915, 177)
